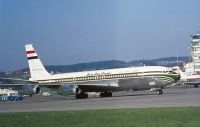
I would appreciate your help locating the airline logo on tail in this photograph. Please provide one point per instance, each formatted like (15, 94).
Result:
(31, 54)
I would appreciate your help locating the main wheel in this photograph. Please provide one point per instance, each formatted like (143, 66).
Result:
(109, 94)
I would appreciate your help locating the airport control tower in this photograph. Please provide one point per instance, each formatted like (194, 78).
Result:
(194, 66)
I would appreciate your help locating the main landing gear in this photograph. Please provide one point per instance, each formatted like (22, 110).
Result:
(84, 95)
(106, 94)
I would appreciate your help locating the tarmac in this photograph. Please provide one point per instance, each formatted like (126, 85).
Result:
(172, 97)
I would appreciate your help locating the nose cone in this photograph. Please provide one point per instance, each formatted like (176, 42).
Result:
(177, 77)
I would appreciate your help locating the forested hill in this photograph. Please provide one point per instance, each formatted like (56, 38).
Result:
(168, 62)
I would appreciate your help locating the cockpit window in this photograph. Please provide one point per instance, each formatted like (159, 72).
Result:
(172, 72)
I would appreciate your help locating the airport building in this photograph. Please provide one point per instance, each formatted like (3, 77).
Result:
(193, 67)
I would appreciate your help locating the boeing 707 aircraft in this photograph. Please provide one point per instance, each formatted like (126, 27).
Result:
(188, 78)
(104, 81)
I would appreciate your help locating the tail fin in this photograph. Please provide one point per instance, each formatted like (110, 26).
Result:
(37, 70)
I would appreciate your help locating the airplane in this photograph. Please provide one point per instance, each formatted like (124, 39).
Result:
(188, 79)
(191, 80)
(104, 81)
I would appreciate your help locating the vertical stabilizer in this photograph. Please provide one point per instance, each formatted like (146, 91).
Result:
(37, 70)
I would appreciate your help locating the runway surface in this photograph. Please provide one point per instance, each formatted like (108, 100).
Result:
(172, 97)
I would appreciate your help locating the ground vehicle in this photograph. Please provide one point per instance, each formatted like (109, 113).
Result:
(10, 95)
(46, 94)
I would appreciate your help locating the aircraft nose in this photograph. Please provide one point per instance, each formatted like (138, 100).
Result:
(178, 76)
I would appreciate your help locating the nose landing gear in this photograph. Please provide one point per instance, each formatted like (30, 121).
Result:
(157, 90)
(160, 91)
(106, 94)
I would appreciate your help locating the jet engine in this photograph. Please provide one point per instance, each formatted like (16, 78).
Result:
(29, 89)
(68, 89)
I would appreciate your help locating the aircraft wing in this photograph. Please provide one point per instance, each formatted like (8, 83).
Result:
(3, 79)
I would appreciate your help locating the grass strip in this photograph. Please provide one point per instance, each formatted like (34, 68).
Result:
(144, 117)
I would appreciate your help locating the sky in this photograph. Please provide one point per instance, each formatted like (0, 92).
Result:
(66, 32)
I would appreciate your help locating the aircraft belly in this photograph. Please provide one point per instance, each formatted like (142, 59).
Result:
(140, 83)
(89, 88)
(99, 86)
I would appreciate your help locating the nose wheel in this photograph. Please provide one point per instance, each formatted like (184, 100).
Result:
(160, 91)
(106, 94)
